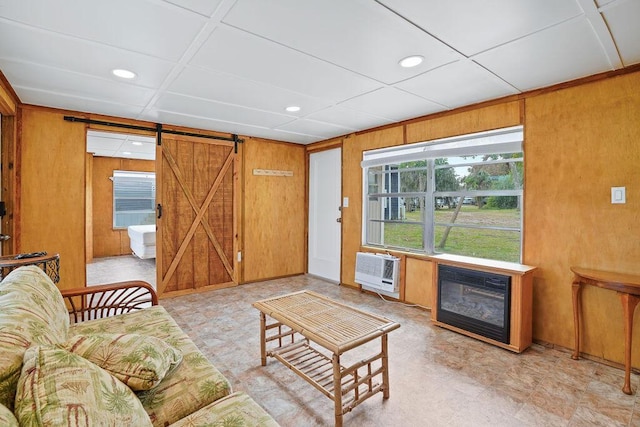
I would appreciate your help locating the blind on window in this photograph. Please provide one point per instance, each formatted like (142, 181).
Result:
(134, 195)
(507, 140)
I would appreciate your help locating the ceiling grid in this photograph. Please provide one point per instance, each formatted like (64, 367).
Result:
(236, 65)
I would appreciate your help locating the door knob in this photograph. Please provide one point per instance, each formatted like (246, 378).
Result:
(4, 237)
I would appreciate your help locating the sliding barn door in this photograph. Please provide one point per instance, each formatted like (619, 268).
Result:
(196, 190)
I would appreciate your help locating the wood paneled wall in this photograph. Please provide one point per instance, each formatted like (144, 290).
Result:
(580, 142)
(53, 163)
(52, 192)
(108, 241)
(477, 120)
(352, 149)
(273, 218)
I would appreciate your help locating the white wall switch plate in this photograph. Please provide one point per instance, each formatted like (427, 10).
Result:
(618, 195)
(345, 202)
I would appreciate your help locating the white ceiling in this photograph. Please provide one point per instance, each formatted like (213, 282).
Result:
(109, 144)
(234, 65)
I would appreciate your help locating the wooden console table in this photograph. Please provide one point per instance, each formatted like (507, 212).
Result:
(628, 287)
(303, 318)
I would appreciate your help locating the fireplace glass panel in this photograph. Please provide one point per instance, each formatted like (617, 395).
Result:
(474, 301)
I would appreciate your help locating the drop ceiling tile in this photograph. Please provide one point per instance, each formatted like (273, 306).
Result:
(203, 7)
(101, 153)
(561, 53)
(461, 83)
(313, 127)
(296, 138)
(138, 149)
(47, 79)
(622, 20)
(218, 111)
(151, 27)
(116, 144)
(235, 52)
(47, 48)
(102, 144)
(85, 105)
(229, 89)
(348, 118)
(472, 26)
(141, 138)
(233, 128)
(359, 35)
(126, 152)
(392, 104)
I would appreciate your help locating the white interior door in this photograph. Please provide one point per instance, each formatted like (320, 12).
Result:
(325, 194)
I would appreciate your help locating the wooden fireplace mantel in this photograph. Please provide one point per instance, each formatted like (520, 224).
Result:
(521, 335)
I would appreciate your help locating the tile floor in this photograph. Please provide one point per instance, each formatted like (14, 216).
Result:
(437, 377)
(120, 269)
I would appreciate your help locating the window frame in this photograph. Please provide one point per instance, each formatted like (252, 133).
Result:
(132, 175)
(435, 150)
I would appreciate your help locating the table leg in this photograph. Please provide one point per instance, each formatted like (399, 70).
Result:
(629, 303)
(385, 368)
(337, 389)
(577, 311)
(263, 339)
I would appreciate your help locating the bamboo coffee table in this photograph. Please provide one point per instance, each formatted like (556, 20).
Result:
(303, 321)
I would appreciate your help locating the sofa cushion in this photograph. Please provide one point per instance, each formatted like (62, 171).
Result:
(7, 419)
(33, 312)
(192, 385)
(139, 361)
(57, 387)
(237, 409)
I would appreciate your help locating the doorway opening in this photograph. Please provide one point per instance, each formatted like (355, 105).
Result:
(120, 206)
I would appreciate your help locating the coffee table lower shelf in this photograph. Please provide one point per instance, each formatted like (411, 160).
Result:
(320, 371)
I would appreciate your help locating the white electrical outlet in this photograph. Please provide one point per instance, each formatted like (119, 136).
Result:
(618, 195)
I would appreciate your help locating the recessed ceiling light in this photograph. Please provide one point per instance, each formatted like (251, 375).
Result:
(292, 108)
(411, 61)
(124, 74)
(126, 153)
(136, 143)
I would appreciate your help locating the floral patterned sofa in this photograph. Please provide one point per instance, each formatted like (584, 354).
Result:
(134, 368)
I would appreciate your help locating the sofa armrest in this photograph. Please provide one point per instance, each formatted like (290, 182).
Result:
(95, 302)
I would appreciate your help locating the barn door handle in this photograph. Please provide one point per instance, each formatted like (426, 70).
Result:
(159, 209)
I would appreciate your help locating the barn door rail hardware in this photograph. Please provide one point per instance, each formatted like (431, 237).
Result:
(158, 129)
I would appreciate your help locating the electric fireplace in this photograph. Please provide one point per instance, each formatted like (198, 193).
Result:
(475, 301)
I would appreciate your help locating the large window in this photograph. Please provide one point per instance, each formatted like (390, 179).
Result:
(134, 198)
(459, 195)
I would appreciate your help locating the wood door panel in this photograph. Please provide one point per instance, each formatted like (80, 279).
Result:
(184, 159)
(202, 166)
(198, 215)
(169, 217)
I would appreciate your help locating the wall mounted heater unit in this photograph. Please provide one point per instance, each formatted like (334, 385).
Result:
(377, 272)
